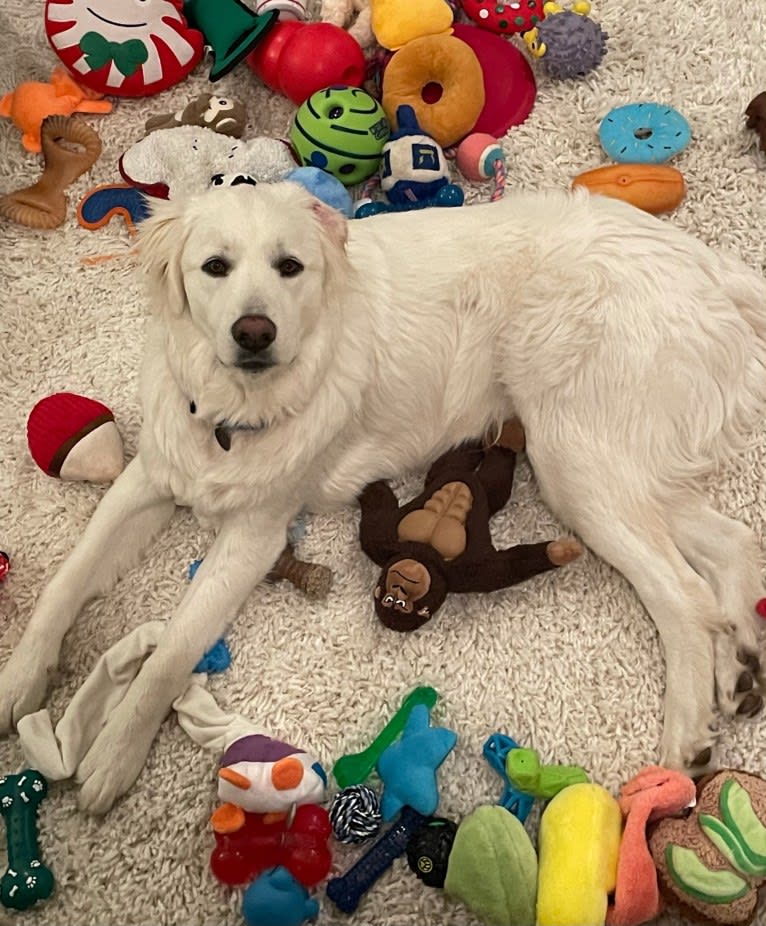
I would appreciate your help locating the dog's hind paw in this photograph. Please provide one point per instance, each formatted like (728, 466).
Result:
(689, 738)
(697, 759)
(739, 679)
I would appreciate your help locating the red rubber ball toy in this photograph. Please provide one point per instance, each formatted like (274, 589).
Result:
(263, 60)
(308, 58)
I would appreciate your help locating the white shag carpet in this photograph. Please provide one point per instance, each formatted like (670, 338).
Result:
(568, 663)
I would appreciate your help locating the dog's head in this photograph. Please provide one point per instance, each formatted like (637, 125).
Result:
(250, 264)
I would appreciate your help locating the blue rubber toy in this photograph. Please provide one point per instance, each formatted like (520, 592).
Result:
(98, 207)
(218, 657)
(644, 133)
(495, 751)
(275, 898)
(408, 767)
(449, 195)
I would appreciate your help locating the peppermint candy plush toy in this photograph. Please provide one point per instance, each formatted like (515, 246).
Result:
(123, 49)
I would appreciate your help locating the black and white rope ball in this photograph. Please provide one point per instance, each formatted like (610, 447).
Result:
(355, 814)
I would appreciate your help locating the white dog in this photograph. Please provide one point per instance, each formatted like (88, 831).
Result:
(294, 358)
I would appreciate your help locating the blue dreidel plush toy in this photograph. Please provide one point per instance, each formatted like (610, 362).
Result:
(414, 171)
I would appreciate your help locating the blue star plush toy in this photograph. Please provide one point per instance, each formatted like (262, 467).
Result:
(408, 767)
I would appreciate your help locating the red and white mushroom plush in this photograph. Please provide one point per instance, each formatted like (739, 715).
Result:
(75, 438)
(123, 48)
(509, 17)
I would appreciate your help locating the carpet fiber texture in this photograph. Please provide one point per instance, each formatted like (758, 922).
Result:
(568, 663)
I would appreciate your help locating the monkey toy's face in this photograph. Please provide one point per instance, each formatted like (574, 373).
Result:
(406, 582)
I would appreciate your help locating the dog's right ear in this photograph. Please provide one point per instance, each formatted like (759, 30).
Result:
(160, 243)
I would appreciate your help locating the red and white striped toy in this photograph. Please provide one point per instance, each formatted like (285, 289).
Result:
(123, 49)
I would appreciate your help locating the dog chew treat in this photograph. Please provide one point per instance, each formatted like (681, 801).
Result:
(26, 879)
(313, 579)
(44, 204)
(347, 891)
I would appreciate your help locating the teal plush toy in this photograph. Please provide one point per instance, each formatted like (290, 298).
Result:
(408, 767)
(231, 29)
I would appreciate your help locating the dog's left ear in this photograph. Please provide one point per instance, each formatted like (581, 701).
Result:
(333, 222)
(160, 243)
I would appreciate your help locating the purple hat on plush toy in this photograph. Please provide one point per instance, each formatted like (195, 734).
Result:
(263, 775)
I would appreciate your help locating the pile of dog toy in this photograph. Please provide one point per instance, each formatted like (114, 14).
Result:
(443, 78)
(597, 859)
(444, 82)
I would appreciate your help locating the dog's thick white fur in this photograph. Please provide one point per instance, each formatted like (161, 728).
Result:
(634, 355)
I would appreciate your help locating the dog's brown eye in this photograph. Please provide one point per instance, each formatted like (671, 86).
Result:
(289, 267)
(216, 267)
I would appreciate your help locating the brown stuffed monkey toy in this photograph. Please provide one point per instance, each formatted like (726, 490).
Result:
(440, 541)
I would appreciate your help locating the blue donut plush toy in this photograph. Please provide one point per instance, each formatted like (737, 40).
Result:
(644, 133)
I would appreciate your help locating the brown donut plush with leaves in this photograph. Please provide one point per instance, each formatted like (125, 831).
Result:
(712, 863)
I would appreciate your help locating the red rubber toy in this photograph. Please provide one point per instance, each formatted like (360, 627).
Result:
(239, 857)
(263, 60)
(307, 57)
(509, 82)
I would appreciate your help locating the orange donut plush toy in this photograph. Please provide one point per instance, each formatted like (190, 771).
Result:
(440, 77)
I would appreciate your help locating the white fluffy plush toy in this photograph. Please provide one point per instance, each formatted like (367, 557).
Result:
(340, 13)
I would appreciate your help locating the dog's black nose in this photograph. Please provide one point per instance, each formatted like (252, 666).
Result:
(254, 332)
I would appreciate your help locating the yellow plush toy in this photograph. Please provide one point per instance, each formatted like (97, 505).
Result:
(579, 844)
(396, 22)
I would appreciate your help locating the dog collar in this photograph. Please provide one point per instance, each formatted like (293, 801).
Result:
(223, 432)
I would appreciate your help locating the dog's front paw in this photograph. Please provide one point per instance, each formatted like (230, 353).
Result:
(23, 683)
(114, 761)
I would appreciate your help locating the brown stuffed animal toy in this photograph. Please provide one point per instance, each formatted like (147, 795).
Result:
(440, 541)
(221, 114)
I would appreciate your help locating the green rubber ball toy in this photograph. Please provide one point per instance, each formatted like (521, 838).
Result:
(341, 130)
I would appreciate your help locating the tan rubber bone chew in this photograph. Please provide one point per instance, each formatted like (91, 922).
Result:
(44, 204)
(313, 579)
